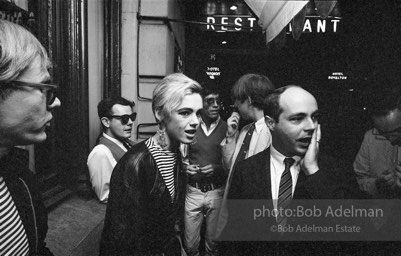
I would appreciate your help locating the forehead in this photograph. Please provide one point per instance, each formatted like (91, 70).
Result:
(212, 95)
(119, 109)
(35, 72)
(296, 100)
(192, 101)
(389, 122)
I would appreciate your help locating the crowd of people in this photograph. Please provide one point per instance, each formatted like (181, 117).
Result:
(167, 194)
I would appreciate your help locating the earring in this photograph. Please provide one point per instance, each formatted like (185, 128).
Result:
(162, 138)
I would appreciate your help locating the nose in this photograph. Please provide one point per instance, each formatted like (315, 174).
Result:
(195, 120)
(311, 124)
(55, 104)
(130, 121)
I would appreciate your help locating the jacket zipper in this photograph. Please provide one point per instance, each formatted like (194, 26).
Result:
(33, 213)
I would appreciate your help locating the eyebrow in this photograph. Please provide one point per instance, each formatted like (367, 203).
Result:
(184, 109)
(304, 114)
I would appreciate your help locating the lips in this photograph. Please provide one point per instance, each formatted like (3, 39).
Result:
(191, 132)
(305, 140)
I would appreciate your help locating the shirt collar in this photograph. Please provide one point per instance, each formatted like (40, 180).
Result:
(212, 124)
(280, 157)
(119, 143)
(259, 124)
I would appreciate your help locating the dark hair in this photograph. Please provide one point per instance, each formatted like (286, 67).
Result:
(209, 88)
(383, 100)
(272, 106)
(254, 86)
(104, 108)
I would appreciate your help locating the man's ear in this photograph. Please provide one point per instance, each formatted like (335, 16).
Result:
(270, 122)
(105, 121)
(249, 101)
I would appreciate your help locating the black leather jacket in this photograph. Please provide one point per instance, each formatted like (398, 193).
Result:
(23, 188)
(140, 215)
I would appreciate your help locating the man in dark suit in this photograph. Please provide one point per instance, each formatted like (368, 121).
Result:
(292, 117)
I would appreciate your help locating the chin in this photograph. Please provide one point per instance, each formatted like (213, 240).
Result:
(187, 140)
(36, 139)
(300, 152)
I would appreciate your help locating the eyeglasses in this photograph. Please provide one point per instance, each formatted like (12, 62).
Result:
(211, 101)
(50, 92)
(125, 118)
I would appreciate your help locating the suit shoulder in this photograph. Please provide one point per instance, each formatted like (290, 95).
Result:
(253, 162)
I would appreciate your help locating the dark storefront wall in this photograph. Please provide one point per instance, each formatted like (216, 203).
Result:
(364, 44)
(63, 23)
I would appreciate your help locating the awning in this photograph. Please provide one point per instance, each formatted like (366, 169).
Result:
(274, 15)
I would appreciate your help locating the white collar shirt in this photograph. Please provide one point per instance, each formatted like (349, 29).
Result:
(213, 126)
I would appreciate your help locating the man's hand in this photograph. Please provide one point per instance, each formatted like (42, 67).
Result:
(233, 124)
(192, 169)
(388, 177)
(209, 170)
(309, 163)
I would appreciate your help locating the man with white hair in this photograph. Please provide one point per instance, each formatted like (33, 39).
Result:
(26, 103)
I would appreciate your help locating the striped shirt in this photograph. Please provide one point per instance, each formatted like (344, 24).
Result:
(165, 161)
(13, 239)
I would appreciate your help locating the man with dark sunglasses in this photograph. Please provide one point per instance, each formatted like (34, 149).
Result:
(26, 102)
(116, 116)
(378, 162)
(206, 176)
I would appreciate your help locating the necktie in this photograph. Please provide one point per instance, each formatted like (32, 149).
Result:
(13, 240)
(285, 190)
(126, 144)
(245, 145)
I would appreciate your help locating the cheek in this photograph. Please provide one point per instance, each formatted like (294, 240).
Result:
(176, 126)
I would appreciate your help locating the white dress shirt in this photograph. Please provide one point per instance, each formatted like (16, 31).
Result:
(101, 164)
(277, 168)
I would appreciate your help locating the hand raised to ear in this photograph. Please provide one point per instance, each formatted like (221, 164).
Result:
(309, 164)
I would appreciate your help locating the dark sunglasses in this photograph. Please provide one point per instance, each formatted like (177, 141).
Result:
(125, 118)
(211, 101)
(50, 89)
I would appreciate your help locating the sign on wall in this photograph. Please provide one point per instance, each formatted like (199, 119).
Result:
(249, 23)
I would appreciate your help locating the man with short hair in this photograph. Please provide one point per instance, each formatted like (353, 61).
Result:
(116, 116)
(206, 176)
(249, 93)
(291, 166)
(378, 162)
(26, 104)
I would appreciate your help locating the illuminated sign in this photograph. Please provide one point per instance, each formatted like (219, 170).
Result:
(246, 23)
(337, 76)
(233, 23)
(212, 72)
(319, 25)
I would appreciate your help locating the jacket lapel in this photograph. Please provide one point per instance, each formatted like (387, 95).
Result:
(259, 176)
